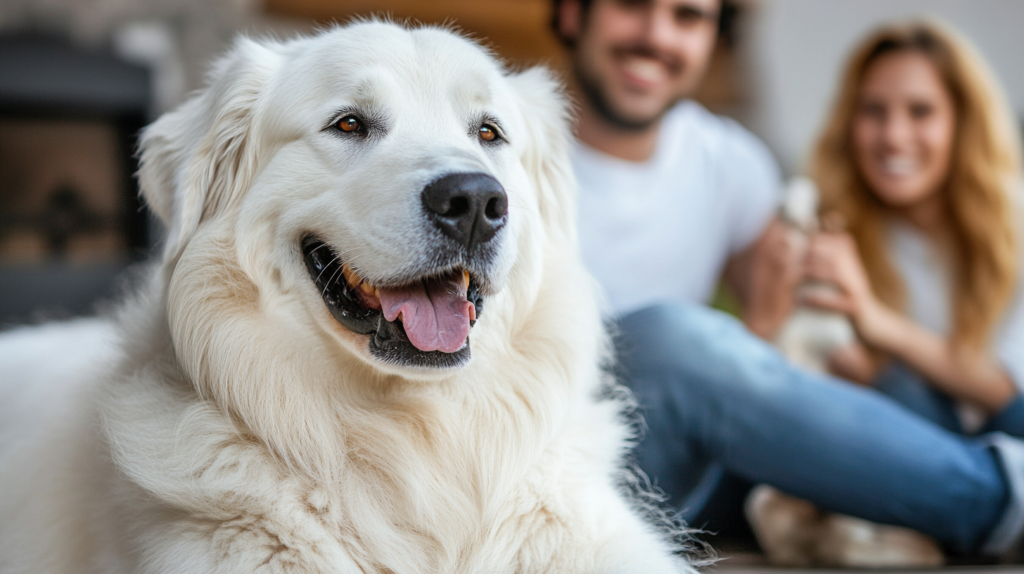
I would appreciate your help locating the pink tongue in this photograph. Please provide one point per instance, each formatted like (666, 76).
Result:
(435, 312)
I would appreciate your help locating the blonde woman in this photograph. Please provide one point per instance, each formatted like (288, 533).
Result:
(921, 159)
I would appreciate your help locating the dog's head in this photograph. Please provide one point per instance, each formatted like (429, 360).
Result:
(386, 188)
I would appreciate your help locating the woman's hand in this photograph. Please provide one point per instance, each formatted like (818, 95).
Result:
(832, 258)
(853, 363)
(965, 375)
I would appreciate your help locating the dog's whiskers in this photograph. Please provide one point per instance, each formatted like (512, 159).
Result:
(336, 257)
(330, 281)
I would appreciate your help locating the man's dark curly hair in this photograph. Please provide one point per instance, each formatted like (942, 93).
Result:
(727, 16)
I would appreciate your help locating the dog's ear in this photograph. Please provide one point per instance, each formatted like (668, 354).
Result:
(546, 116)
(200, 158)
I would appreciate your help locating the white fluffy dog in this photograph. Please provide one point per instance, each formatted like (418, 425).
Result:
(369, 346)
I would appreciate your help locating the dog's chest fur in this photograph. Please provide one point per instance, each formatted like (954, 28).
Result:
(491, 480)
(420, 514)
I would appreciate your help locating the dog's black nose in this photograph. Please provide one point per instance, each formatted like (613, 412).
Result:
(468, 207)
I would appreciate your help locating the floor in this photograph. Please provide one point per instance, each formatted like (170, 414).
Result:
(950, 570)
(754, 564)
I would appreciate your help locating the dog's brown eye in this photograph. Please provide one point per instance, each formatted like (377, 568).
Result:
(350, 124)
(487, 133)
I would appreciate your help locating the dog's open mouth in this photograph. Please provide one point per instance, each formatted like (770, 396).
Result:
(424, 323)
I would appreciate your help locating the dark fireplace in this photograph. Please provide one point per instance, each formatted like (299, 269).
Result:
(70, 217)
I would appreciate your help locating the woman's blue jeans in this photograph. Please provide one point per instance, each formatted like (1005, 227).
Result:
(713, 394)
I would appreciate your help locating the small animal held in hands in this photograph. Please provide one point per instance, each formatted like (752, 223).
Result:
(810, 335)
(369, 345)
(794, 532)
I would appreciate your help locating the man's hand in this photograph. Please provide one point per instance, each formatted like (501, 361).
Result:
(765, 278)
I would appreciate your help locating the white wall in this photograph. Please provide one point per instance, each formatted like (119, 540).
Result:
(797, 48)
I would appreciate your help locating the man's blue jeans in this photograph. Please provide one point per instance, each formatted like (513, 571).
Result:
(712, 393)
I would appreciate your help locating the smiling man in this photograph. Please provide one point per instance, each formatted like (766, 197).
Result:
(673, 198)
(671, 195)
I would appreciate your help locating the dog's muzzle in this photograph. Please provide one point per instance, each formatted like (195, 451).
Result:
(423, 320)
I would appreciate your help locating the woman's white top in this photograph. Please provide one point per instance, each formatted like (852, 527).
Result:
(927, 277)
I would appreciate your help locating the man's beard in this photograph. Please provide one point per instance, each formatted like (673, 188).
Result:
(599, 101)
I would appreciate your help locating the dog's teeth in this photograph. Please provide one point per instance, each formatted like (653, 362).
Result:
(357, 282)
(465, 278)
(350, 275)
(472, 312)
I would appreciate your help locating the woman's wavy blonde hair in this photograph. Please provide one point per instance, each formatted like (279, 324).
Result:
(984, 174)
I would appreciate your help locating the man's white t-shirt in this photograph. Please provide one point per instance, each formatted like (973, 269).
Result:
(663, 229)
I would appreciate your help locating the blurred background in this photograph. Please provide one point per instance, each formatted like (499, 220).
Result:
(80, 78)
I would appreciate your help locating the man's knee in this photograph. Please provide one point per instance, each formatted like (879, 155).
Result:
(688, 358)
(690, 341)
(664, 332)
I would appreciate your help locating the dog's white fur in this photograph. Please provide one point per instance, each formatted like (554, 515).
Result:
(792, 532)
(223, 421)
